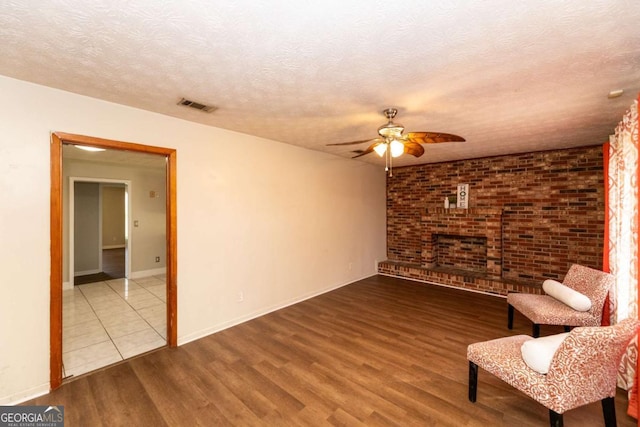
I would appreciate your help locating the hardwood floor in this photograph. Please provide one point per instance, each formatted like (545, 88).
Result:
(378, 352)
(112, 268)
(113, 262)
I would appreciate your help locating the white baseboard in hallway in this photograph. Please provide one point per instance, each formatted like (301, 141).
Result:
(87, 272)
(147, 273)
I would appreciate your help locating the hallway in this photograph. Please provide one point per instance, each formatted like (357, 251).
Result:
(108, 321)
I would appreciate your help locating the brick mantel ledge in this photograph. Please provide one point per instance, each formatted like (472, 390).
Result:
(459, 211)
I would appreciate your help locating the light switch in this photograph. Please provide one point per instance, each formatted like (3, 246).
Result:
(135, 223)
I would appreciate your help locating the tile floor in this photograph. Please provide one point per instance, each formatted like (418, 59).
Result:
(105, 322)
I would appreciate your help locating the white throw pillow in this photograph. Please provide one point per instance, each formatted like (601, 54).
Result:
(537, 353)
(566, 295)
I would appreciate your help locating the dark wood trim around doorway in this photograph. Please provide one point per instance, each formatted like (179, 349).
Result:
(55, 300)
(57, 139)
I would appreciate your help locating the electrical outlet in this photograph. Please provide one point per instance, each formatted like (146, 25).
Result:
(350, 266)
(157, 259)
(240, 296)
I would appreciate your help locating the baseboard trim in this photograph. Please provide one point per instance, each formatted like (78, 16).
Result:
(146, 273)
(31, 393)
(113, 247)
(66, 286)
(234, 322)
(87, 272)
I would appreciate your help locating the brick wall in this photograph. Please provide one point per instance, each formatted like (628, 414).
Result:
(464, 253)
(551, 208)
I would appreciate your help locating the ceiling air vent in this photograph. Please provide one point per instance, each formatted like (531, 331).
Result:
(197, 105)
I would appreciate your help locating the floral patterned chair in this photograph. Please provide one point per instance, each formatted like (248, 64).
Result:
(582, 369)
(546, 310)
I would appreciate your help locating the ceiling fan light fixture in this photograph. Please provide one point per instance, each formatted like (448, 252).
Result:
(392, 143)
(397, 148)
(89, 148)
(391, 130)
(380, 149)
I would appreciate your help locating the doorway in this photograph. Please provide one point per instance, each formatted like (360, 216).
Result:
(99, 223)
(115, 230)
(57, 237)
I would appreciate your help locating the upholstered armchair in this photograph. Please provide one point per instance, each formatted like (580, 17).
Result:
(581, 367)
(581, 285)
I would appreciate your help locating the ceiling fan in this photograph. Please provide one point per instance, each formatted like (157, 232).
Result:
(392, 143)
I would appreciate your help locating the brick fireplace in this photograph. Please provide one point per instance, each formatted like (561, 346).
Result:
(461, 252)
(530, 217)
(463, 239)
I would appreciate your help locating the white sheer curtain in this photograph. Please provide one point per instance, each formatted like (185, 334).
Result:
(623, 230)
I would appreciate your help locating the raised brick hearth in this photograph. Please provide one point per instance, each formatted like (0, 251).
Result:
(464, 279)
(533, 215)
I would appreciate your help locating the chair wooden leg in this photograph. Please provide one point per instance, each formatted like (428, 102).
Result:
(609, 412)
(510, 317)
(473, 381)
(536, 330)
(555, 419)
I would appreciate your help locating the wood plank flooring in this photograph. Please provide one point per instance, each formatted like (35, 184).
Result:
(112, 268)
(378, 352)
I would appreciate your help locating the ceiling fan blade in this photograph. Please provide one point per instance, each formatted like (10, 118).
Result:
(369, 149)
(433, 137)
(351, 143)
(413, 148)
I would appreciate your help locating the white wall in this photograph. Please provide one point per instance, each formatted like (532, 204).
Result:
(276, 222)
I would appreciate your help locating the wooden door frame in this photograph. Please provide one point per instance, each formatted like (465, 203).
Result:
(55, 305)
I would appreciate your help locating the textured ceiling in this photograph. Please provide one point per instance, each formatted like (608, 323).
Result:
(508, 76)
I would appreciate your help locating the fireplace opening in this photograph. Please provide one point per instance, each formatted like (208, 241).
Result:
(461, 252)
